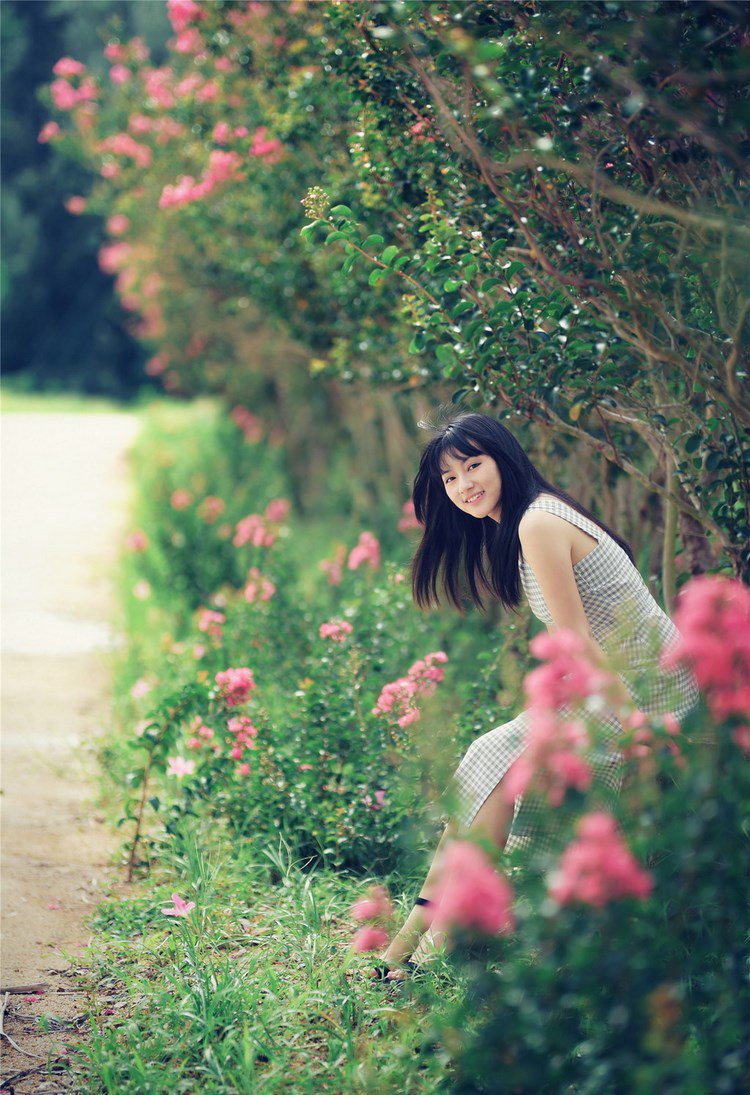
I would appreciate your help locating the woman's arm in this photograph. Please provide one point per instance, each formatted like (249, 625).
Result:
(547, 544)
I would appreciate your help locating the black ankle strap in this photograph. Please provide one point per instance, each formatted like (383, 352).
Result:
(423, 901)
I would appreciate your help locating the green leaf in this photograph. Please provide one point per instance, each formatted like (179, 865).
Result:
(377, 275)
(335, 236)
(514, 268)
(341, 211)
(462, 308)
(400, 262)
(155, 802)
(373, 241)
(490, 283)
(349, 262)
(497, 247)
(414, 347)
(445, 354)
(389, 254)
(450, 285)
(308, 229)
(458, 395)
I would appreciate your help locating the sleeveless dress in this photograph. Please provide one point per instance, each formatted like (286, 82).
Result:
(630, 627)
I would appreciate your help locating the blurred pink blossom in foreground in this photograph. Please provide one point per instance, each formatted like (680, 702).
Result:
(180, 766)
(470, 893)
(598, 866)
(376, 903)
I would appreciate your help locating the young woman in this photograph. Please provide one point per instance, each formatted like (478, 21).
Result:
(493, 526)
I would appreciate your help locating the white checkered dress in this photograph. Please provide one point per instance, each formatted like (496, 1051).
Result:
(630, 627)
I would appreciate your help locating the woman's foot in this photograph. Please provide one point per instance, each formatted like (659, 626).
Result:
(394, 963)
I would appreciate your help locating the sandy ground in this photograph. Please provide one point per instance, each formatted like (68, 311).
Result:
(64, 503)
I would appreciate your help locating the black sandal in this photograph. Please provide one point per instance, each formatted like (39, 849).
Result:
(382, 969)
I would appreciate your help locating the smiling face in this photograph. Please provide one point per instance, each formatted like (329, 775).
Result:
(473, 483)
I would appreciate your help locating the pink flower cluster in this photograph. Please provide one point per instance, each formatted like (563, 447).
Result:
(235, 685)
(253, 530)
(222, 166)
(598, 866)
(335, 630)
(277, 510)
(366, 550)
(199, 734)
(409, 519)
(75, 204)
(114, 256)
(398, 698)
(122, 144)
(554, 757)
(48, 132)
(469, 892)
(183, 12)
(223, 132)
(713, 617)
(212, 622)
(377, 803)
(374, 906)
(258, 588)
(67, 95)
(268, 149)
(249, 423)
(244, 734)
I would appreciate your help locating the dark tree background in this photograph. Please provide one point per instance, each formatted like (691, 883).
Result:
(62, 326)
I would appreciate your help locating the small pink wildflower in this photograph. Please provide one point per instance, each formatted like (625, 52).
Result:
(369, 938)
(182, 12)
(180, 766)
(268, 149)
(741, 738)
(335, 630)
(211, 622)
(367, 550)
(119, 74)
(277, 510)
(180, 907)
(140, 688)
(117, 224)
(408, 520)
(243, 769)
(379, 800)
(249, 423)
(253, 530)
(75, 204)
(66, 67)
(305, 767)
(258, 587)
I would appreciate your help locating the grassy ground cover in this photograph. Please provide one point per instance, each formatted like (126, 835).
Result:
(258, 985)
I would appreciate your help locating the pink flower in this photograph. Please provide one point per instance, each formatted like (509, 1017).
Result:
(113, 51)
(249, 423)
(54, 904)
(367, 550)
(713, 616)
(244, 732)
(222, 132)
(420, 131)
(409, 520)
(182, 12)
(379, 800)
(239, 131)
(188, 41)
(253, 530)
(180, 766)
(369, 938)
(235, 685)
(375, 904)
(48, 131)
(223, 64)
(398, 698)
(119, 74)
(181, 907)
(211, 508)
(335, 630)
(211, 622)
(142, 590)
(598, 866)
(268, 149)
(198, 650)
(333, 568)
(258, 587)
(208, 92)
(277, 510)
(66, 67)
(137, 540)
(180, 499)
(305, 767)
(243, 769)
(76, 204)
(470, 893)
(140, 688)
(117, 224)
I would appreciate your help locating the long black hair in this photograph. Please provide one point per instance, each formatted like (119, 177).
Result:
(456, 545)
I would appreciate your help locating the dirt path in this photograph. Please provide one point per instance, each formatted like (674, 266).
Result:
(63, 512)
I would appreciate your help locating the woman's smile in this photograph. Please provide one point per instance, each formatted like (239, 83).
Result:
(473, 483)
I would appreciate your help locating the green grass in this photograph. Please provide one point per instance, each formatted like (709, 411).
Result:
(256, 990)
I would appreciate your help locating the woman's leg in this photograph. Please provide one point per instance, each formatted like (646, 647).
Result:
(493, 819)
